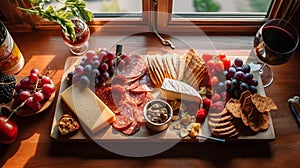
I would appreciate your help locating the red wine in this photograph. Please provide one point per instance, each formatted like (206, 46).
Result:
(82, 34)
(274, 45)
(278, 39)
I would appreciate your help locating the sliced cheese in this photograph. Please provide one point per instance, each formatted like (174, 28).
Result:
(175, 89)
(90, 110)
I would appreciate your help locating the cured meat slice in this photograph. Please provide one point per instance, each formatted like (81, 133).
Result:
(118, 93)
(122, 122)
(133, 128)
(141, 88)
(128, 109)
(135, 68)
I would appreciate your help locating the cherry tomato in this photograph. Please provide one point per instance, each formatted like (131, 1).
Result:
(207, 57)
(221, 55)
(210, 64)
(214, 80)
(226, 63)
(201, 114)
(219, 66)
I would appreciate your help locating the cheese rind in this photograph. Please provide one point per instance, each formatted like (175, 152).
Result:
(175, 89)
(90, 110)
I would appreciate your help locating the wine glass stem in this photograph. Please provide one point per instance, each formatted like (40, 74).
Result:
(261, 69)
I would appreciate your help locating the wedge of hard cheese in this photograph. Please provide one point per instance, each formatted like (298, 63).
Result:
(175, 89)
(90, 110)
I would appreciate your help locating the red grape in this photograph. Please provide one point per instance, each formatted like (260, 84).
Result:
(48, 88)
(90, 54)
(33, 77)
(25, 83)
(30, 102)
(110, 56)
(23, 95)
(45, 80)
(79, 70)
(104, 76)
(104, 66)
(36, 106)
(38, 96)
(35, 70)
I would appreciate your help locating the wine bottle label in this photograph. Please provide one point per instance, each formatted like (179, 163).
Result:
(11, 58)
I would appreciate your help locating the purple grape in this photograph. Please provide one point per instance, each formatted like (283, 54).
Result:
(238, 62)
(221, 87)
(244, 86)
(235, 83)
(239, 75)
(96, 72)
(70, 77)
(96, 63)
(231, 72)
(84, 81)
(75, 78)
(228, 84)
(88, 69)
(254, 82)
(248, 77)
(239, 69)
(246, 68)
(253, 89)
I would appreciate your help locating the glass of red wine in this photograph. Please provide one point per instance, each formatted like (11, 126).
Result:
(80, 45)
(274, 44)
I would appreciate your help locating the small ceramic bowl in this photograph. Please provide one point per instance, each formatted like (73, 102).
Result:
(158, 114)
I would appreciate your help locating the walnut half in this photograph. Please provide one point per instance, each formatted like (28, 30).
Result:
(67, 124)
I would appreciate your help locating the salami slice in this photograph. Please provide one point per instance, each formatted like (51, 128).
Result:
(135, 68)
(133, 128)
(122, 122)
(142, 88)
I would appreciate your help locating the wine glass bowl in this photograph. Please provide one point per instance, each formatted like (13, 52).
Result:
(79, 45)
(274, 44)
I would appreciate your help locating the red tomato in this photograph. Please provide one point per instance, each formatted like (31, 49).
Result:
(226, 63)
(221, 55)
(219, 66)
(8, 130)
(214, 80)
(206, 57)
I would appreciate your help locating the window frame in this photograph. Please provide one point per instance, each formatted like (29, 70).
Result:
(220, 25)
(17, 20)
(33, 22)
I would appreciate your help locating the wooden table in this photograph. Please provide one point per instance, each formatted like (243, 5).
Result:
(34, 148)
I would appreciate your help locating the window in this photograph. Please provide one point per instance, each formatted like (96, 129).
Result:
(243, 17)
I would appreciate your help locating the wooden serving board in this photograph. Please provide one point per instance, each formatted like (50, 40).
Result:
(109, 134)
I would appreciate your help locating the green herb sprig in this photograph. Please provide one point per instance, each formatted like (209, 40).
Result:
(62, 15)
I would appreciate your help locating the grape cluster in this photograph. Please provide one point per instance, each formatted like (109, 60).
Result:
(7, 86)
(96, 68)
(239, 79)
(34, 89)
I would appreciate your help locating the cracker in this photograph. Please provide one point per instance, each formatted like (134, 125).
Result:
(263, 104)
(244, 95)
(247, 106)
(234, 107)
(152, 74)
(220, 119)
(244, 119)
(223, 129)
(213, 124)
